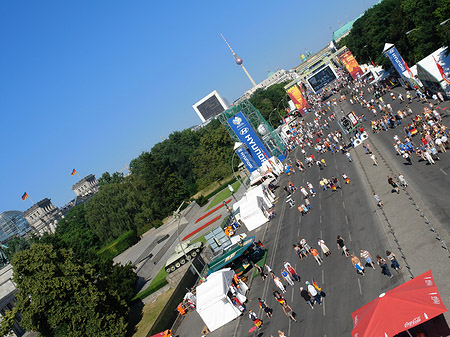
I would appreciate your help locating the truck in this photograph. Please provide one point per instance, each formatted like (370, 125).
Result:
(179, 258)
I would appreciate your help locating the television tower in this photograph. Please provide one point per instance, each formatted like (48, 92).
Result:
(239, 62)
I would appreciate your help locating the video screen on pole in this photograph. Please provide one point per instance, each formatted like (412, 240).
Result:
(211, 107)
(322, 78)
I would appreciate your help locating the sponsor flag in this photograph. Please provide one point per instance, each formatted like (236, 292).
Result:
(73, 172)
(25, 196)
(409, 70)
(316, 285)
(441, 71)
(351, 64)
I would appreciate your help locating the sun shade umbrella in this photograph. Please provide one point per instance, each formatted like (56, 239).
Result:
(399, 309)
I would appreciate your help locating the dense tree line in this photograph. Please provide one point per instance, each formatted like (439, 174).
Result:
(271, 103)
(414, 26)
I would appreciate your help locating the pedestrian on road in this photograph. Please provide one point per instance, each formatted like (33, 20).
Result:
(307, 203)
(316, 255)
(305, 193)
(288, 311)
(280, 334)
(384, 267)
(402, 180)
(367, 257)
(379, 201)
(263, 305)
(254, 319)
(279, 284)
(304, 244)
(298, 251)
(306, 296)
(341, 245)
(394, 262)
(393, 184)
(311, 188)
(313, 292)
(280, 299)
(287, 277)
(291, 271)
(324, 247)
(349, 156)
(261, 272)
(357, 264)
(374, 159)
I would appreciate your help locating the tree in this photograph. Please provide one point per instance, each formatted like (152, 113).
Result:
(60, 296)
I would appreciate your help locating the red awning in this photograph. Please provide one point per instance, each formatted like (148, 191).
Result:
(399, 309)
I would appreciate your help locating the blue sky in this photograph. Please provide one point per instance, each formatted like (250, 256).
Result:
(91, 84)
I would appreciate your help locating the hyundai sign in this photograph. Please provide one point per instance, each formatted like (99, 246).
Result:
(244, 131)
(246, 159)
(396, 60)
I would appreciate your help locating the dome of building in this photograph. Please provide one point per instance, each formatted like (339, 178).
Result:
(270, 73)
(12, 223)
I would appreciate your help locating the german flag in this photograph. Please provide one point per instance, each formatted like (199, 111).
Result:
(73, 172)
(316, 285)
(25, 196)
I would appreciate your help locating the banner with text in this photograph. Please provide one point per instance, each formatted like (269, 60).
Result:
(396, 60)
(296, 95)
(246, 159)
(244, 131)
(351, 64)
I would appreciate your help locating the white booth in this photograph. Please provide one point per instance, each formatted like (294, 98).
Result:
(213, 303)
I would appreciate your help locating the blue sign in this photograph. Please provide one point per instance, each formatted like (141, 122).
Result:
(244, 131)
(246, 159)
(396, 60)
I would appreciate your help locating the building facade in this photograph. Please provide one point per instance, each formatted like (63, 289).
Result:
(12, 223)
(43, 217)
(86, 186)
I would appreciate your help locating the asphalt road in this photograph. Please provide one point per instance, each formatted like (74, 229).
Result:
(349, 212)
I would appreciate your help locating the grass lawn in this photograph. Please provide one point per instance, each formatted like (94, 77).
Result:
(158, 282)
(150, 313)
(222, 195)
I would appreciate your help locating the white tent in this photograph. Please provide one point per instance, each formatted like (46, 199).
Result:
(251, 211)
(213, 304)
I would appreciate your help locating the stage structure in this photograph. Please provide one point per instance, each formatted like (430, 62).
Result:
(264, 131)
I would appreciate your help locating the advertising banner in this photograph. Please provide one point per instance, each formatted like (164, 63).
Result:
(396, 60)
(351, 64)
(246, 159)
(296, 95)
(244, 131)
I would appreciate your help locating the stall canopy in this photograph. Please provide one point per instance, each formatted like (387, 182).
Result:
(399, 309)
(213, 304)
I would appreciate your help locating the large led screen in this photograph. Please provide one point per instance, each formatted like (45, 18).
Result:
(321, 79)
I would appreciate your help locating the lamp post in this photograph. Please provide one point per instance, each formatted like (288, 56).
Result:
(177, 216)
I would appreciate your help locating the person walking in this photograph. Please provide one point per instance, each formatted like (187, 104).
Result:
(304, 244)
(384, 267)
(261, 272)
(367, 257)
(254, 319)
(379, 201)
(402, 180)
(341, 245)
(306, 296)
(374, 159)
(313, 292)
(263, 305)
(279, 284)
(298, 251)
(324, 247)
(393, 184)
(287, 277)
(316, 255)
(291, 271)
(280, 299)
(394, 262)
(288, 311)
(357, 265)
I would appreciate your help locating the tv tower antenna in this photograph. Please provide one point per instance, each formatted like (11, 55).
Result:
(239, 61)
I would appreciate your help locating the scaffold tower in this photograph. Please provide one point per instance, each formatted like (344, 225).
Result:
(267, 134)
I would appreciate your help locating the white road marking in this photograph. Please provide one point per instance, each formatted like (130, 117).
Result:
(298, 232)
(346, 219)
(289, 329)
(323, 277)
(320, 218)
(359, 285)
(300, 219)
(341, 192)
(323, 306)
(350, 236)
(443, 171)
(320, 206)
(343, 205)
(292, 296)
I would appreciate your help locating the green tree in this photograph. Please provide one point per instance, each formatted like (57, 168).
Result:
(59, 296)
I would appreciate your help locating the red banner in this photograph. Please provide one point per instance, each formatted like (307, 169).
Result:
(296, 95)
(350, 63)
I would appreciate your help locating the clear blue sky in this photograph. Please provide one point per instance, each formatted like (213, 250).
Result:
(91, 84)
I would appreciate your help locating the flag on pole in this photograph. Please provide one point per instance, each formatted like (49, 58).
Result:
(316, 285)
(441, 70)
(73, 172)
(25, 196)
(409, 70)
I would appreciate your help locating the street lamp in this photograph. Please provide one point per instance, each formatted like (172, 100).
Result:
(177, 216)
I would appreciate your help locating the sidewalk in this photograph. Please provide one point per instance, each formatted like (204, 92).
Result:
(408, 223)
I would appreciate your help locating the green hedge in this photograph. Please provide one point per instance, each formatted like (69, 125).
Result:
(119, 245)
(203, 200)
